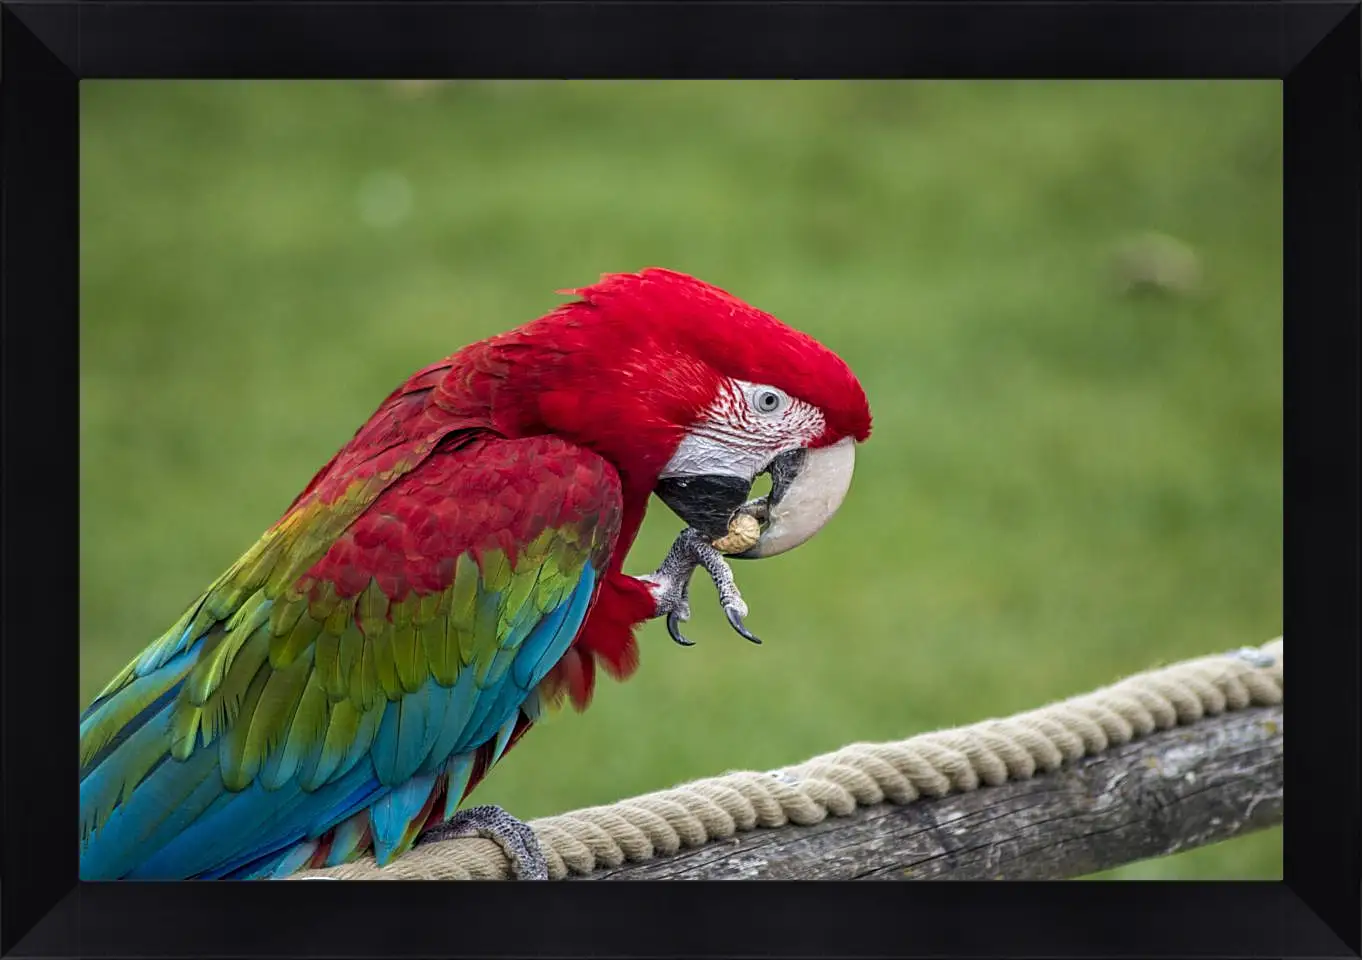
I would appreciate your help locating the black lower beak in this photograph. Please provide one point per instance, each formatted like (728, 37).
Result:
(784, 469)
(705, 503)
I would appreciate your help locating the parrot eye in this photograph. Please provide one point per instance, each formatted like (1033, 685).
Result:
(769, 400)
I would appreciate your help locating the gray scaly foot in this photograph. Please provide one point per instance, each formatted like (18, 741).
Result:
(673, 579)
(491, 822)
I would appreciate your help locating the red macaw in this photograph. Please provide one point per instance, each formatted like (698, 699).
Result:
(454, 570)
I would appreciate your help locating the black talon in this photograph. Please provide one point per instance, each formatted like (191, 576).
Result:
(736, 622)
(672, 627)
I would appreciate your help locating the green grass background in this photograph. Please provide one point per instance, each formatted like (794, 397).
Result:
(1065, 484)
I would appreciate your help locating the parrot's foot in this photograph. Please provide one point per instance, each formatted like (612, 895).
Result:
(673, 579)
(515, 837)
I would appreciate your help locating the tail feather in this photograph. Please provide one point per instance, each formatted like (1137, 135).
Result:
(275, 865)
(397, 818)
(138, 755)
(211, 846)
(350, 838)
(162, 807)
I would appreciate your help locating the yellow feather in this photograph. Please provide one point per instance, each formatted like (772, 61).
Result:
(213, 664)
(184, 728)
(385, 662)
(284, 649)
(442, 650)
(349, 662)
(269, 721)
(371, 608)
(328, 666)
(519, 591)
(322, 601)
(429, 607)
(254, 611)
(463, 591)
(496, 570)
(463, 619)
(255, 567)
(284, 616)
(221, 709)
(485, 639)
(114, 715)
(338, 620)
(364, 677)
(239, 769)
(305, 733)
(400, 614)
(409, 654)
(349, 734)
(344, 721)
(532, 555)
(371, 613)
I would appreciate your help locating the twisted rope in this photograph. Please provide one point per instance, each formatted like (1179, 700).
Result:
(860, 774)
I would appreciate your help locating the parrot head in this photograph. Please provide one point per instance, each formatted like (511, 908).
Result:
(694, 394)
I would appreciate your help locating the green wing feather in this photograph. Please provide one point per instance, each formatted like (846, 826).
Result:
(289, 680)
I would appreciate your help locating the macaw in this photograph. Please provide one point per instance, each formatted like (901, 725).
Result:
(454, 571)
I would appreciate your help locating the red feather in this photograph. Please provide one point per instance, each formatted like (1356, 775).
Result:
(471, 495)
(621, 371)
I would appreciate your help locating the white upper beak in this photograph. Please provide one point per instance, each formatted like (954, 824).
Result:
(809, 502)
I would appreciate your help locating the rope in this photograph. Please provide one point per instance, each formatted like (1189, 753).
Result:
(860, 774)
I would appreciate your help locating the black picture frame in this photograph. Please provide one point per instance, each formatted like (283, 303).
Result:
(47, 48)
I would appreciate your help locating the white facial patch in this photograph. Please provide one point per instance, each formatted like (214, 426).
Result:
(740, 432)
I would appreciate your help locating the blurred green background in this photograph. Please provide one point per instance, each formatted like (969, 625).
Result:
(1063, 299)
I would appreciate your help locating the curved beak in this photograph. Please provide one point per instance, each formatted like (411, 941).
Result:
(807, 488)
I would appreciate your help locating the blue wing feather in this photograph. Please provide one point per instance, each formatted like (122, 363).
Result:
(391, 814)
(408, 731)
(460, 702)
(180, 821)
(546, 643)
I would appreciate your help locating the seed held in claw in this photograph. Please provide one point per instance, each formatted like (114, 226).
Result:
(692, 549)
(744, 532)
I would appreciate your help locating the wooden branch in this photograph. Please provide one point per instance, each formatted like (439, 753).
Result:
(1173, 790)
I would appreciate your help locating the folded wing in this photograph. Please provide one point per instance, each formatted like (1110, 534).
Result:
(349, 677)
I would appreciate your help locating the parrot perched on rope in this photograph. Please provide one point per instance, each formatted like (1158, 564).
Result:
(455, 571)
